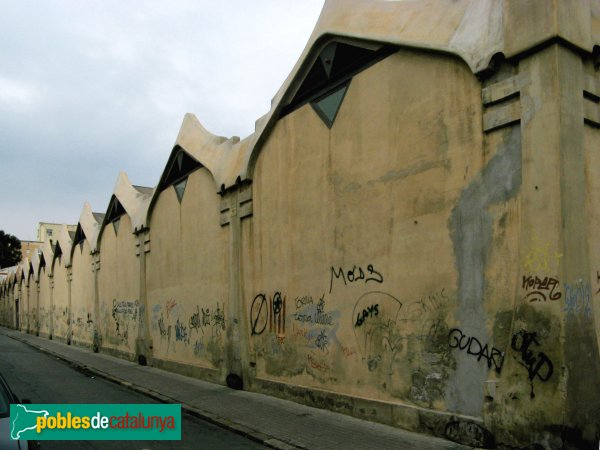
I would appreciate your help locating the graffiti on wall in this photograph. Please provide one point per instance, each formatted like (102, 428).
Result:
(370, 311)
(578, 299)
(297, 339)
(83, 325)
(205, 320)
(314, 313)
(472, 346)
(378, 333)
(314, 325)
(269, 313)
(541, 289)
(124, 314)
(540, 259)
(537, 363)
(163, 329)
(196, 332)
(469, 433)
(354, 275)
(393, 334)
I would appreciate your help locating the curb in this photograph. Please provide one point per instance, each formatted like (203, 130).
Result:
(227, 424)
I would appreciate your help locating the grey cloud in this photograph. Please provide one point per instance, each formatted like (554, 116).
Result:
(99, 87)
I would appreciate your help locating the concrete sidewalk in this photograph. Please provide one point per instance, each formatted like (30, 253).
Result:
(277, 423)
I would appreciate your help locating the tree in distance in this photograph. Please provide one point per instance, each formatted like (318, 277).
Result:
(10, 250)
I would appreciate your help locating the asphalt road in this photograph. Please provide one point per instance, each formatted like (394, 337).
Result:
(44, 379)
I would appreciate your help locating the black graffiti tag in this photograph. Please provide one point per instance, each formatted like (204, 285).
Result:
(495, 357)
(537, 365)
(277, 303)
(371, 311)
(259, 314)
(195, 320)
(354, 275)
(538, 287)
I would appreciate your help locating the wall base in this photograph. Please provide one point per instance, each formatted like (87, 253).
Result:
(202, 373)
(466, 430)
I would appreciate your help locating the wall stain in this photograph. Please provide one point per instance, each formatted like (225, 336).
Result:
(471, 231)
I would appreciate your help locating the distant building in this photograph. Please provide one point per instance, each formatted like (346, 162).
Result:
(50, 230)
(29, 247)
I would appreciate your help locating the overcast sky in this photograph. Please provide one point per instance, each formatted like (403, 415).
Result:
(89, 88)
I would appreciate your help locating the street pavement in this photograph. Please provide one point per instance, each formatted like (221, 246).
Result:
(270, 421)
(43, 378)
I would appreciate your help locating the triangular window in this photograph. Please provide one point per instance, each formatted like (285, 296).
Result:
(180, 188)
(328, 106)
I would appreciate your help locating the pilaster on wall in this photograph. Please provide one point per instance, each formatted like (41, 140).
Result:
(236, 204)
(37, 308)
(51, 324)
(28, 310)
(582, 422)
(143, 346)
(546, 392)
(70, 304)
(97, 339)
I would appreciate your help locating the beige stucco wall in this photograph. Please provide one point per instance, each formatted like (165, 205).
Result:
(82, 295)
(344, 228)
(427, 254)
(60, 299)
(118, 288)
(187, 275)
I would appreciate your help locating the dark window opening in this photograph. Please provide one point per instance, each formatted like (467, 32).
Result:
(115, 210)
(79, 236)
(179, 169)
(57, 253)
(327, 80)
(181, 166)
